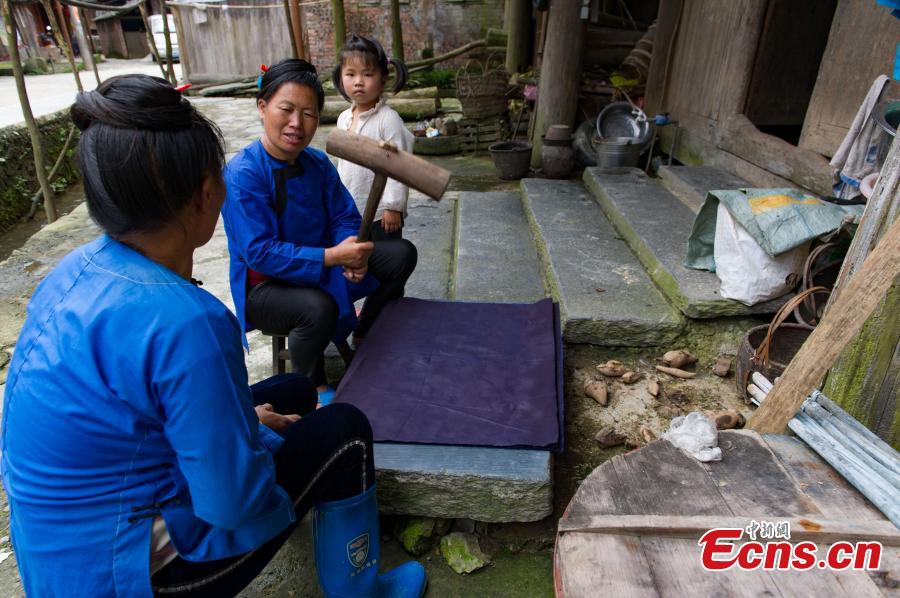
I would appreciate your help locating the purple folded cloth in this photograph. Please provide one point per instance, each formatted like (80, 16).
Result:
(482, 374)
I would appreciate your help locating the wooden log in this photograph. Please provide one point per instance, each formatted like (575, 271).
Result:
(560, 71)
(408, 109)
(416, 94)
(668, 20)
(843, 321)
(804, 167)
(803, 529)
(430, 179)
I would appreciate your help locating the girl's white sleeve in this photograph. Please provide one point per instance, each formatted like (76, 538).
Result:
(393, 130)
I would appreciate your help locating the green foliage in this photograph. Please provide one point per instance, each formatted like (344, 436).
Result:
(443, 79)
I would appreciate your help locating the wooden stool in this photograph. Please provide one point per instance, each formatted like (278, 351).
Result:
(281, 356)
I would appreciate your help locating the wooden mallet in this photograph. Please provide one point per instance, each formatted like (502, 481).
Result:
(386, 161)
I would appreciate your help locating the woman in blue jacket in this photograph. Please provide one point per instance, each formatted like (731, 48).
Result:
(136, 458)
(296, 267)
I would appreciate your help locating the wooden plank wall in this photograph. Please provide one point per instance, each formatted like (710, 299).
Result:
(860, 47)
(227, 44)
(712, 59)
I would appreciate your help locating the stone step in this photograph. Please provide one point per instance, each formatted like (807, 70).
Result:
(657, 225)
(496, 260)
(605, 296)
(429, 225)
(484, 484)
(690, 184)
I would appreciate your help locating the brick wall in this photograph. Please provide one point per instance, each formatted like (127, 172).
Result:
(440, 24)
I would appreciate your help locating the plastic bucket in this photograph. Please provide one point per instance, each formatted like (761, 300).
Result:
(511, 159)
(618, 151)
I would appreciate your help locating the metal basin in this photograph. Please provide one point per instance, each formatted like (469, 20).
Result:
(622, 120)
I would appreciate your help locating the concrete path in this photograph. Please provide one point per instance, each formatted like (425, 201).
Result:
(49, 93)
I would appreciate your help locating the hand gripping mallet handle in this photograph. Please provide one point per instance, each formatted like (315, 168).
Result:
(386, 161)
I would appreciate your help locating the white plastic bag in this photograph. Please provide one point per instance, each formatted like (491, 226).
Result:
(748, 274)
(696, 434)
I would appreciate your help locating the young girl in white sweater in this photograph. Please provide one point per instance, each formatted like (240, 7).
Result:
(360, 77)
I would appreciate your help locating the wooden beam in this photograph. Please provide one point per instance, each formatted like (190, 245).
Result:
(560, 72)
(845, 318)
(288, 8)
(803, 529)
(805, 167)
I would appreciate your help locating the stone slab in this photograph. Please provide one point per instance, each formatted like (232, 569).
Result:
(429, 225)
(496, 260)
(484, 484)
(605, 296)
(690, 184)
(656, 226)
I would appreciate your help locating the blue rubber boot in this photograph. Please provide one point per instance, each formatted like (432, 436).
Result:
(348, 551)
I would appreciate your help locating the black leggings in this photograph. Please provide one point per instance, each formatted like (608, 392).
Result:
(326, 456)
(308, 315)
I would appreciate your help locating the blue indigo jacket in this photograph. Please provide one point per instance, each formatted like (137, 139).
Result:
(288, 241)
(127, 398)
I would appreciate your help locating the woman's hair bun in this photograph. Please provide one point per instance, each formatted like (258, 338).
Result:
(134, 102)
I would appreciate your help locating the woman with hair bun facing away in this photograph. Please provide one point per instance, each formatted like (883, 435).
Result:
(360, 76)
(136, 458)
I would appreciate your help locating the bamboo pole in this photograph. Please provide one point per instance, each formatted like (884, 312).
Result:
(170, 66)
(31, 125)
(340, 26)
(145, 16)
(396, 31)
(62, 37)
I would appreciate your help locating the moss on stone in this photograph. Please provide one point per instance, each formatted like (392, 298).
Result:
(462, 552)
(415, 534)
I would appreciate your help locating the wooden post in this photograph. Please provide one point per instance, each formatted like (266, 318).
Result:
(153, 49)
(183, 46)
(560, 72)
(84, 40)
(865, 378)
(62, 36)
(340, 26)
(170, 67)
(297, 29)
(33, 132)
(517, 28)
(396, 31)
(290, 24)
(843, 321)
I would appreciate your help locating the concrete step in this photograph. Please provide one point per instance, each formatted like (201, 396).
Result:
(496, 260)
(605, 296)
(690, 184)
(657, 225)
(484, 484)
